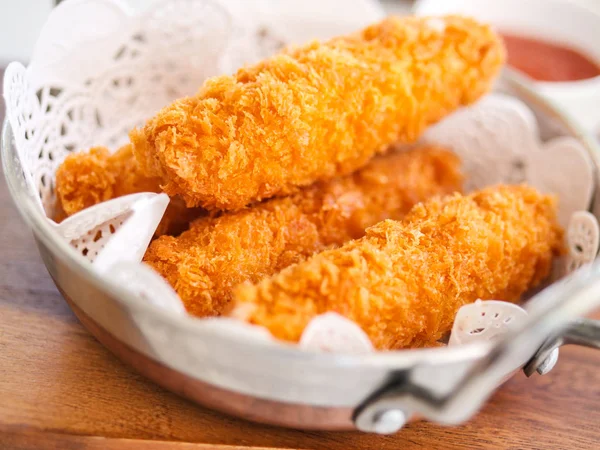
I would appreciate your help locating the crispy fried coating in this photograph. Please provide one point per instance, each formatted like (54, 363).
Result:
(317, 111)
(87, 178)
(206, 262)
(404, 282)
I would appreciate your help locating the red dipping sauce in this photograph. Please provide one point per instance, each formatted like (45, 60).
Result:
(545, 61)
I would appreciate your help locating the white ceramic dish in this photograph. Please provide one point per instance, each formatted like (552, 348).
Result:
(560, 21)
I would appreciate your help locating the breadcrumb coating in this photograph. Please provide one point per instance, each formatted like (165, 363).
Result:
(318, 111)
(404, 282)
(85, 179)
(206, 262)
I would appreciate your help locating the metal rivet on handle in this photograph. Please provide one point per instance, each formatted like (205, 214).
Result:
(383, 422)
(544, 360)
(548, 364)
(389, 422)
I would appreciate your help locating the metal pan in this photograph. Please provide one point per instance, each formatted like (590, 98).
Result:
(285, 386)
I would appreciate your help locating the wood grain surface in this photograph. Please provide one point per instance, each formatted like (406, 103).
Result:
(60, 389)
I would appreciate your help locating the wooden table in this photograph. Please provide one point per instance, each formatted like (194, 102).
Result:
(60, 389)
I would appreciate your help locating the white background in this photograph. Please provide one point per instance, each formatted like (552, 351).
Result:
(20, 23)
(21, 20)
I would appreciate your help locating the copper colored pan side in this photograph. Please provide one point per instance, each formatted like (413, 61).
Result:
(254, 409)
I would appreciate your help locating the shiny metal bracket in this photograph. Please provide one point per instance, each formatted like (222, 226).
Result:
(552, 322)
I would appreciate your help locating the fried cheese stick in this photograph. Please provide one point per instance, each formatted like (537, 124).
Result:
(87, 178)
(404, 282)
(207, 261)
(316, 112)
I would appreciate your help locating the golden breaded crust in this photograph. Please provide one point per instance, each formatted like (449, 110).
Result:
(206, 262)
(85, 179)
(316, 112)
(404, 282)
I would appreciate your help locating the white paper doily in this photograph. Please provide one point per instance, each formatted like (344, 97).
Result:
(485, 321)
(146, 284)
(498, 142)
(331, 332)
(119, 229)
(583, 240)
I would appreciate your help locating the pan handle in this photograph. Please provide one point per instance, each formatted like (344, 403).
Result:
(552, 321)
(583, 332)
